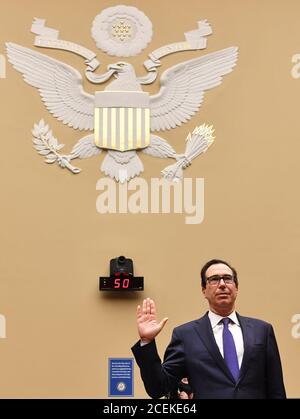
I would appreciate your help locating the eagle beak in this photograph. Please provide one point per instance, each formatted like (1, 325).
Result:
(113, 67)
(119, 67)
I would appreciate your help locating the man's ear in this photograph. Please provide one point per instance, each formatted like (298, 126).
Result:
(203, 291)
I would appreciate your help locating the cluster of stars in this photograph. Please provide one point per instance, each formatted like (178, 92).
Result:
(121, 30)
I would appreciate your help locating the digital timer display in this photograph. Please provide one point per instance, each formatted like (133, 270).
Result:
(122, 282)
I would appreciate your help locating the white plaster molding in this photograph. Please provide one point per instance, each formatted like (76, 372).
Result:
(123, 31)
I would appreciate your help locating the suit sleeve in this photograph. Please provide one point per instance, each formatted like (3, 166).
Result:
(275, 384)
(159, 379)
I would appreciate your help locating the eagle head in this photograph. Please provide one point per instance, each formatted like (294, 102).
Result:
(125, 77)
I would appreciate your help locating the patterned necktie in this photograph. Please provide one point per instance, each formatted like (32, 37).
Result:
(230, 355)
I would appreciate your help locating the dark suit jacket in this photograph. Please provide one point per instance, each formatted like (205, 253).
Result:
(193, 353)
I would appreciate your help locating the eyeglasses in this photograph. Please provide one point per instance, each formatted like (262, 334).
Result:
(215, 279)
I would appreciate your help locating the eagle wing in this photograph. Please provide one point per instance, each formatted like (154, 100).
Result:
(183, 86)
(59, 85)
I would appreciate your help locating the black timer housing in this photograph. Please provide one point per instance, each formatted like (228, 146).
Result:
(121, 277)
(122, 265)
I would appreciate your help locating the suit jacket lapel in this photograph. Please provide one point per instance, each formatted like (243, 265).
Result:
(206, 334)
(248, 338)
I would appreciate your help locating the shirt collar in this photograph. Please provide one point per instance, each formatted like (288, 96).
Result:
(216, 318)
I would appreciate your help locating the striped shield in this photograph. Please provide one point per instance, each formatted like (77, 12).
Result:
(122, 120)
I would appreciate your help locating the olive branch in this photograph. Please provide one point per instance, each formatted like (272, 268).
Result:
(47, 145)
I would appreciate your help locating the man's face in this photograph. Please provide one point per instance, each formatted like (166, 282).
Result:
(221, 296)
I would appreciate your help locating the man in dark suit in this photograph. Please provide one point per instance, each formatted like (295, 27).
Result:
(223, 355)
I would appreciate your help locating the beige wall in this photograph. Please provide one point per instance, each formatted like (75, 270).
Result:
(54, 245)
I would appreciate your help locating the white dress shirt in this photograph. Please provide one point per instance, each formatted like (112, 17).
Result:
(235, 329)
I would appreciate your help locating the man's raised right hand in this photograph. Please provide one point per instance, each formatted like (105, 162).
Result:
(147, 324)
